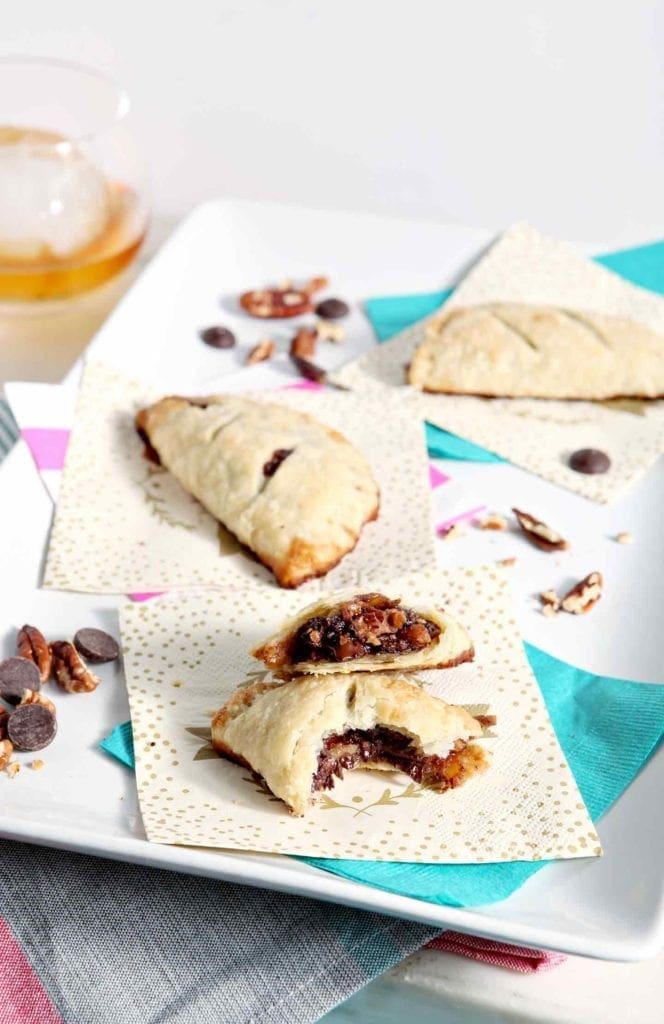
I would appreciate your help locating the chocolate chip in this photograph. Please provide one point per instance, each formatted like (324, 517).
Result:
(218, 337)
(96, 646)
(273, 463)
(590, 460)
(332, 309)
(309, 370)
(17, 675)
(31, 727)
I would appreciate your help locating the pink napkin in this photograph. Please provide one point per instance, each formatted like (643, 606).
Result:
(499, 954)
(23, 999)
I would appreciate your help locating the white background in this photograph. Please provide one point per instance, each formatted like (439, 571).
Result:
(478, 112)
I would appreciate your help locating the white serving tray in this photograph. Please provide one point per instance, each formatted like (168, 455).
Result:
(83, 800)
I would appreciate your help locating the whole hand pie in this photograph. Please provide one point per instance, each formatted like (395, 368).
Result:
(292, 490)
(365, 633)
(301, 735)
(518, 350)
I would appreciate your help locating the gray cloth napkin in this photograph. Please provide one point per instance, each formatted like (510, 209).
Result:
(119, 944)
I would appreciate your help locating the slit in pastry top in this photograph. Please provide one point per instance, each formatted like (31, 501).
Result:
(293, 491)
(365, 632)
(301, 736)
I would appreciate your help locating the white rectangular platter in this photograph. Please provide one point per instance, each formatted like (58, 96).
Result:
(611, 908)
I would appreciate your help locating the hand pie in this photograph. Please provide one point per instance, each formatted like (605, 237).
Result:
(365, 633)
(301, 735)
(518, 350)
(292, 490)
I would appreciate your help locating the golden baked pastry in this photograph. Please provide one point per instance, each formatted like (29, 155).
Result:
(515, 350)
(292, 490)
(365, 633)
(301, 735)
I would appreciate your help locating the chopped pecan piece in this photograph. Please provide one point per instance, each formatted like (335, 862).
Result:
(550, 603)
(3, 723)
(31, 644)
(309, 370)
(584, 595)
(329, 331)
(6, 751)
(71, 672)
(303, 344)
(538, 533)
(263, 350)
(30, 697)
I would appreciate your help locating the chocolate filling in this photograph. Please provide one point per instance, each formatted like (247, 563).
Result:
(275, 460)
(367, 624)
(387, 746)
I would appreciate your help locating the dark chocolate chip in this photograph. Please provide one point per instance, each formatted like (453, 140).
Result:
(309, 370)
(96, 646)
(590, 460)
(17, 675)
(31, 727)
(218, 337)
(277, 457)
(332, 309)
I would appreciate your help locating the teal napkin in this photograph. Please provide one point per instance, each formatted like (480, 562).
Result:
(608, 728)
(394, 313)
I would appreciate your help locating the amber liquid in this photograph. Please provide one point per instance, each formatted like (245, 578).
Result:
(99, 261)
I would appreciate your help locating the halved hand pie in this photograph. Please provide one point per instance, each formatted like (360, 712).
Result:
(300, 736)
(518, 350)
(292, 490)
(365, 633)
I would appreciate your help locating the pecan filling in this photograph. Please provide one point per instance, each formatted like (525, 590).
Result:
(387, 746)
(368, 624)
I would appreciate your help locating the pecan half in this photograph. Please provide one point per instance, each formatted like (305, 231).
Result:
(30, 697)
(584, 595)
(304, 343)
(31, 644)
(6, 751)
(71, 672)
(539, 534)
(265, 349)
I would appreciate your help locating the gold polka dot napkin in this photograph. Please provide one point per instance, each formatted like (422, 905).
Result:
(539, 435)
(123, 524)
(184, 655)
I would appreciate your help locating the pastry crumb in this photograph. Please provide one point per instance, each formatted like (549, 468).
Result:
(178, 682)
(507, 561)
(624, 537)
(550, 611)
(452, 532)
(12, 769)
(493, 521)
(37, 765)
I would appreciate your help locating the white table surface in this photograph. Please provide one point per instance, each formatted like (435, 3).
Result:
(431, 987)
